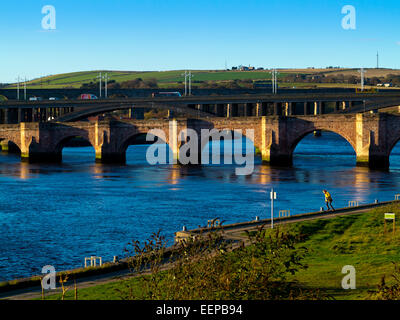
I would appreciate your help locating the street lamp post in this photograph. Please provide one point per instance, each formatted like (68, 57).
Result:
(106, 78)
(186, 76)
(190, 76)
(25, 89)
(362, 71)
(99, 77)
(18, 88)
(274, 81)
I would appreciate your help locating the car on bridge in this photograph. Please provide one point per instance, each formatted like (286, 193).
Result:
(166, 94)
(35, 99)
(87, 96)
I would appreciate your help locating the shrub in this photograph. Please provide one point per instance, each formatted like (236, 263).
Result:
(210, 268)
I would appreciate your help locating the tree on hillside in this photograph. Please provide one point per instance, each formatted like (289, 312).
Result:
(139, 83)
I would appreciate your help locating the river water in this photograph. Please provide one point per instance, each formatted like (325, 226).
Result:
(59, 214)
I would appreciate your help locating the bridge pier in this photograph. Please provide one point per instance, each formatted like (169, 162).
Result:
(274, 150)
(41, 157)
(378, 162)
(372, 146)
(110, 157)
(232, 110)
(317, 108)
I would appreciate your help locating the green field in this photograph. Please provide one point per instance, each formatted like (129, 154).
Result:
(175, 78)
(76, 79)
(356, 240)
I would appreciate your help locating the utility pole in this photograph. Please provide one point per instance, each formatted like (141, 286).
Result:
(274, 81)
(186, 75)
(190, 76)
(99, 77)
(106, 78)
(362, 71)
(18, 88)
(25, 89)
(377, 60)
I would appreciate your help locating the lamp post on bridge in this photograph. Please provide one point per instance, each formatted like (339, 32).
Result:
(99, 77)
(362, 72)
(106, 78)
(186, 76)
(18, 87)
(190, 76)
(274, 81)
(25, 89)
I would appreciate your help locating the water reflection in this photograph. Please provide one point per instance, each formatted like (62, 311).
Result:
(96, 209)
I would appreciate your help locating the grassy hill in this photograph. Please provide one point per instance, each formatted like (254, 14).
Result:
(175, 78)
(76, 79)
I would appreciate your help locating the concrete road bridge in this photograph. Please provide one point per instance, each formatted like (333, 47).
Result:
(372, 136)
(257, 105)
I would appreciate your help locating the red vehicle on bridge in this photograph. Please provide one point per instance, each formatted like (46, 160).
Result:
(87, 96)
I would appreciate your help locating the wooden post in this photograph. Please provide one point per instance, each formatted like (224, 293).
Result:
(394, 225)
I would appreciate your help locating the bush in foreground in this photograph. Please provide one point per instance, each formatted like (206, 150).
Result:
(207, 268)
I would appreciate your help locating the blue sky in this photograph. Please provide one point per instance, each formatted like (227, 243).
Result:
(183, 34)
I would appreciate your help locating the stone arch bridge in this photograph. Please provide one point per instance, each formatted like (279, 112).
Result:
(372, 136)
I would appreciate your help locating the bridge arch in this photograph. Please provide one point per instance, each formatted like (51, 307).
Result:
(75, 139)
(140, 138)
(294, 143)
(218, 135)
(395, 143)
(9, 146)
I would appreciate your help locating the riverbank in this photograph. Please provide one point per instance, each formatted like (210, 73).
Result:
(354, 239)
(333, 239)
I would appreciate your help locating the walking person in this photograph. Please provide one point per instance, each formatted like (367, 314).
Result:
(328, 200)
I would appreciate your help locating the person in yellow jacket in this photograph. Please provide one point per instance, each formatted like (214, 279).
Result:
(328, 200)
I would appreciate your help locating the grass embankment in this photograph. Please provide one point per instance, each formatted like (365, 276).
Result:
(356, 240)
